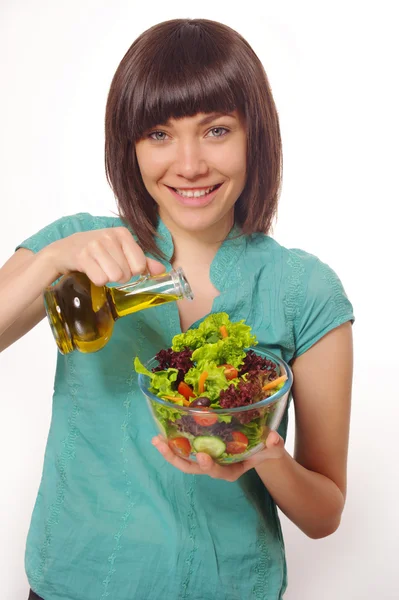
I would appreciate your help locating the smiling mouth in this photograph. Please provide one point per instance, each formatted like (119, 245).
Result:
(196, 193)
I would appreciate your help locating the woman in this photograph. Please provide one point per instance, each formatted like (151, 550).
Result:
(193, 154)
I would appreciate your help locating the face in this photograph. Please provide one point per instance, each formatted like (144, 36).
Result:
(195, 169)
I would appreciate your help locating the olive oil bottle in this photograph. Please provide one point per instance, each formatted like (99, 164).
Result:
(82, 315)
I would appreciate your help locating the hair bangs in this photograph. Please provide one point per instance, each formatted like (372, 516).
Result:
(204, 92)
(189, 73)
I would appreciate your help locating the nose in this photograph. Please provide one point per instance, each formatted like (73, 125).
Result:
(190, 161)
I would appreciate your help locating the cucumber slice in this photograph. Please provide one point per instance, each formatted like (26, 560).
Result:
(213, 446)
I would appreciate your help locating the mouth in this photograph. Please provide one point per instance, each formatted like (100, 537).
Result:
(196, 192)
(194, 197)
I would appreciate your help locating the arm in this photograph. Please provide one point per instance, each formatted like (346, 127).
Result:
(310, 488)
(22, 280)
(105, 255)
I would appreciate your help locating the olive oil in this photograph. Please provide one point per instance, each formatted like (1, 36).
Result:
(82, 314)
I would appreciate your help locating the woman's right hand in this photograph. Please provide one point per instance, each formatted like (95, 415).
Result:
(104, 255)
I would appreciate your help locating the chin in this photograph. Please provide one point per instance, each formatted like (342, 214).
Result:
(194, 223)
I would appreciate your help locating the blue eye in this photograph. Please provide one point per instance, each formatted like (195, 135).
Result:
(158, 136)
(218, 131)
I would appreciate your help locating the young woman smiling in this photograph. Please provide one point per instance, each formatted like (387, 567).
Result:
(193, 155)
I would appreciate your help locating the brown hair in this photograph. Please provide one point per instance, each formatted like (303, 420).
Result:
(176, 69)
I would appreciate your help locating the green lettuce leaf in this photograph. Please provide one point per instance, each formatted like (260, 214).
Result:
(223, 418)
(253, 431)
(163, 383)
(208, 333)
(215, 382)
(241, 334)
(192, 339)
(279, 387)
(223, 352)
(165, 414)
(140, 368)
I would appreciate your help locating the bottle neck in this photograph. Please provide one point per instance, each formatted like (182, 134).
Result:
(150, 291)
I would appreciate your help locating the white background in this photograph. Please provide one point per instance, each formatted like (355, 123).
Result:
(333, 71)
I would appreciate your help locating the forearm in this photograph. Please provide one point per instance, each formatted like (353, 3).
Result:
(310, 500)
(22, 286)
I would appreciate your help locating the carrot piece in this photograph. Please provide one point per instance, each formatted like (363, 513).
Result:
(174, 398)
(274, 383)
(201, 382)
(223, 331)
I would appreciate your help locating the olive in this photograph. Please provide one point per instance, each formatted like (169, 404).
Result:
(202, 401)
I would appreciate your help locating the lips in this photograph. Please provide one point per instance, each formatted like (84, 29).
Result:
(196, 192)
(194, 197)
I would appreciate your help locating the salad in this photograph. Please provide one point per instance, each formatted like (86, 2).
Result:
(204, 379)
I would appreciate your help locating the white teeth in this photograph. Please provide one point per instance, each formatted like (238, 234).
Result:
(194, 194)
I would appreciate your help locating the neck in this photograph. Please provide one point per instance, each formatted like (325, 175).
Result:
(198, 246)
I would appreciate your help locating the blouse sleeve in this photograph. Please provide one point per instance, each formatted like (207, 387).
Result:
(325, 305)
(62, 228)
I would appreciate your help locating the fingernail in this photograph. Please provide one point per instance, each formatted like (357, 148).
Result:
(157, 443)
(160, 449)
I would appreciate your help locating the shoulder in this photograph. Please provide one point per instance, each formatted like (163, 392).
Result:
(84, 222)
(295, 265)
(66, 226)
(316, 299)
(263, 251)
(309, 295)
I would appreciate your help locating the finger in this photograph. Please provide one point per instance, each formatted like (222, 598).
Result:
(134, 254)
(255, 460)
(205, 463)
(115, 250)
(274, 440)
(212, 469)
(274, 449)
(89, 265)
(155, 267)
(209, 467)
(173, 459)
(106, 261)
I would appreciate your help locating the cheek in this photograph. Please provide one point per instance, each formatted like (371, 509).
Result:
(237, 167)
(151, 166)
(233, 162)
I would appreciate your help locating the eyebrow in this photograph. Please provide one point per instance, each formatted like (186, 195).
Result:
(213, 116)
(209, 118)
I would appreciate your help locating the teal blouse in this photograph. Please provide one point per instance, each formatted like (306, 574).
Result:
(112, 519)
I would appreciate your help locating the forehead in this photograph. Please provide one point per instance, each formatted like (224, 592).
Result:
(201, 119)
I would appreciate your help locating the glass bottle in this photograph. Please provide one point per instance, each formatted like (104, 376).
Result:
(82, 314)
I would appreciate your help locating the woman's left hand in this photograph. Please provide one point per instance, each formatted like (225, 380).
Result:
(206, 466)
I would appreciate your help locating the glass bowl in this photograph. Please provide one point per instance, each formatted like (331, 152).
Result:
(229, 435)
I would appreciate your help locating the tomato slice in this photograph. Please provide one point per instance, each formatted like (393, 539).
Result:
(235, 447)
(230, 372)
(240, 437)
(205, 420)
(180, 446)
(239, 444)
(185, 390)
